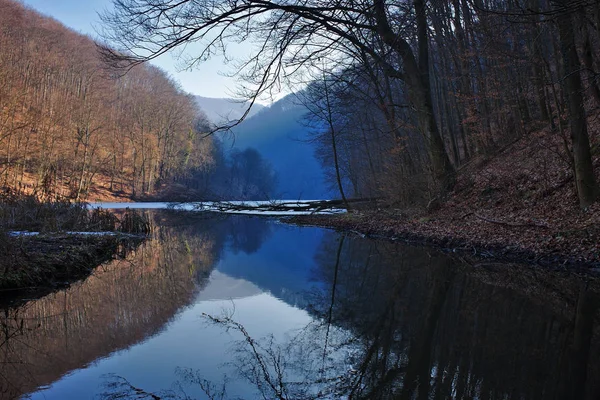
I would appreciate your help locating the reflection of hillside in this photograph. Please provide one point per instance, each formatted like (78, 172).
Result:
(121, 304)
(431, 328)
(282, 265)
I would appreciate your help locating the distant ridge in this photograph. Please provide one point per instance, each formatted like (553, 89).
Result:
(221, 110)
(280, 136)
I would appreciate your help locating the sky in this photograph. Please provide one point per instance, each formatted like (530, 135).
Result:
(82, 15)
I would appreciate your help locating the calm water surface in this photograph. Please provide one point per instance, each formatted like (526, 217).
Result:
(241, 307)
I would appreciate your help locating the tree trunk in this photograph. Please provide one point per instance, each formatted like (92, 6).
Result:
(585, 181)
(419, 88)
(588, 60)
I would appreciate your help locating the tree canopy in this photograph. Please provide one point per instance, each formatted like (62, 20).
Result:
(474, 75)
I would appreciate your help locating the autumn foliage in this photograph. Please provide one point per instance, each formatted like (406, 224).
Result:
(71, 127)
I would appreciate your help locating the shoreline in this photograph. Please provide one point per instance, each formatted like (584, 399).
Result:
(45, 246)
(50, 261)
(42, 264)
(374, 226)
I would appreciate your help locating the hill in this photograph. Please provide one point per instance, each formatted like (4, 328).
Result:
(519, 205)
(219, 110)
(68, 128)
(277, 132)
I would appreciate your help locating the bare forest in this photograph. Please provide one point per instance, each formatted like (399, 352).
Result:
(496, 73)
(406, 93)
(71, 127)
(464, 127)
(484, 113)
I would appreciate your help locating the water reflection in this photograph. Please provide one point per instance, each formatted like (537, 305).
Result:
(122, 303)
(400, 322)
(301, 313)
(430, 327)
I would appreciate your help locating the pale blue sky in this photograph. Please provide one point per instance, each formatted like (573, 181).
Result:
(82, 16)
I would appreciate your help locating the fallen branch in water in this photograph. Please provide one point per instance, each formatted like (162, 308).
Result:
(278, 207)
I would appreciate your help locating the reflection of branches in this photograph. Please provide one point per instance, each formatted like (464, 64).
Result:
(12, 327)
(294, 369)
(213, 391)
(330, 313)
(117, 387)
(258, 372)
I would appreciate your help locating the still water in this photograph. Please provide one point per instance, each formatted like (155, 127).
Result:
(242, 307)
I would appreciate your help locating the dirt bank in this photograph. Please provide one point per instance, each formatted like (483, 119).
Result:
(531, 247)
(519, 205)
(43, 263)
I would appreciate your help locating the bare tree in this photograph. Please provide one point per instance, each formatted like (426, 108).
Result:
(287, 37)
(323, 114)
(585, 181)
(67, 126)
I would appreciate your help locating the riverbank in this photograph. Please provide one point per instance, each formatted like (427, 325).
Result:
(47, 245)
(577, 249)
(519, 206)
(47, 262)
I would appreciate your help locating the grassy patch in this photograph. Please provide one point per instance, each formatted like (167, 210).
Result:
(28, 213)
(54, 257)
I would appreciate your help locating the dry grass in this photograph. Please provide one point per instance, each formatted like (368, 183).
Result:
(54, 257)
(20, 212)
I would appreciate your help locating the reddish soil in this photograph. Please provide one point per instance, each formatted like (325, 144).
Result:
(519, 205)
(99, 191)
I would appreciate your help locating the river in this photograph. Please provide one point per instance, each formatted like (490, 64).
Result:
(229, 307)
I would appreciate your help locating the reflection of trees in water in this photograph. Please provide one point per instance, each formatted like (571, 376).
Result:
(239, 232)
(120, 304)
(295, 368)
(247, 234)
(390, 322)
(431, 328)
(299, 367)
(401, 322)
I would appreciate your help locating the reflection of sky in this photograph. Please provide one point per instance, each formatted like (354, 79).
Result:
(207, 80)
(240, 282)
(188, 342)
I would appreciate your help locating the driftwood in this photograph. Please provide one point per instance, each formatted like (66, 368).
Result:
(282, 206)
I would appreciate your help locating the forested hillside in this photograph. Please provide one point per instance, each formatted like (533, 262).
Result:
(401, 96)
(69, 126)
(407, 93)
(474, 78)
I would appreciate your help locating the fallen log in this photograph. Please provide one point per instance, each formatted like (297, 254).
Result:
(301, 206)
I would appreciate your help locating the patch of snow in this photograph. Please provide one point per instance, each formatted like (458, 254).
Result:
(277, 213)
(27, 233)
(253, 207)
(22, 233)
(103, 233)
